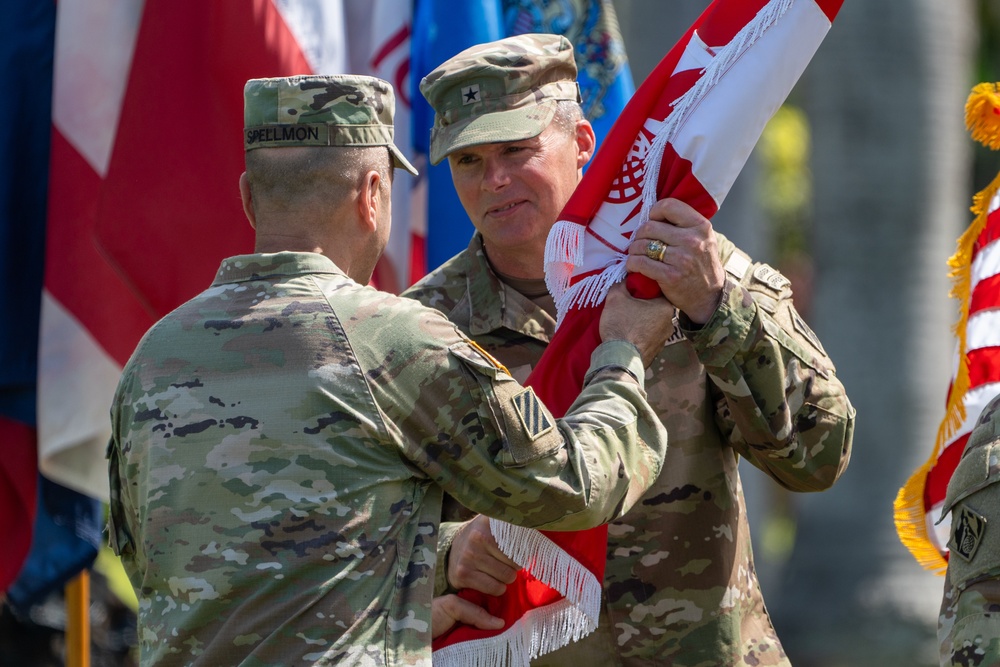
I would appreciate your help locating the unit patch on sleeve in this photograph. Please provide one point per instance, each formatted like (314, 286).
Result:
(533, 415)
(967, 533)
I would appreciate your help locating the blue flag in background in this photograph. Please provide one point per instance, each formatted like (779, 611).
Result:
(27, 36)
(66, 529)
(442, 28)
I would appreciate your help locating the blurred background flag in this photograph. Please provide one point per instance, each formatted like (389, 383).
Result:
(442, 28)
(380, 42)
(64, 533)
(975, 271)
(26, 36)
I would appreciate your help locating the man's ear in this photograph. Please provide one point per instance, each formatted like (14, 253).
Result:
(586, 143)
(368, 202)
(247, 199)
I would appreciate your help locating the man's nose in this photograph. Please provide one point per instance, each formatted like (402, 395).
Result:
(496, 175)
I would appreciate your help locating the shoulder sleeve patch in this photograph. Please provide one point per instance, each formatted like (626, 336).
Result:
(533, 415)
(967, 533)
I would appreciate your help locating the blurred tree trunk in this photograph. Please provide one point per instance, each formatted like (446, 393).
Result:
(891, 167)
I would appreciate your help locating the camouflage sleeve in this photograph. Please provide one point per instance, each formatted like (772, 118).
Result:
(778, 399)
(969, 625)
(446, 536)
(493, 446)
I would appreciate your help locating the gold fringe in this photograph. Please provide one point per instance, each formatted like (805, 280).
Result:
(908, 509)
(982, 115)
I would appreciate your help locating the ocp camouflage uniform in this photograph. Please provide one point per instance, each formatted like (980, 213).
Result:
(280, 445)
(680, 586)
(969, 624)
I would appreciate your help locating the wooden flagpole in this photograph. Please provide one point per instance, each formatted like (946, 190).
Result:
(78, 621)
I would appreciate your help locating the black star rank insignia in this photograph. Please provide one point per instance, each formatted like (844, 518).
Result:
(470, 94)
(533, 416)
(966, 533)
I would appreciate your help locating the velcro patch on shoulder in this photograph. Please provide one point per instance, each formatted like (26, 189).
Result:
(737, 265)
(967, 533)
(533, 415)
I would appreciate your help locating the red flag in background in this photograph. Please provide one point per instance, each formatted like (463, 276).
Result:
(976, 377)
(143, 197)
(686, 133)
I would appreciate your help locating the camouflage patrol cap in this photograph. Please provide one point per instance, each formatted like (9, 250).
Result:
(500, 91)
(339, 110)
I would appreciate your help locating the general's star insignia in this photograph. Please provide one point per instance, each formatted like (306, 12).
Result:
(470, 94)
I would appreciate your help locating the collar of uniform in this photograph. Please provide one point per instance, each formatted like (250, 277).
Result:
(496, 305)
(265, 265)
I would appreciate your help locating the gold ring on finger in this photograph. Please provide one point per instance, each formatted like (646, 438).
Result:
(655, 250)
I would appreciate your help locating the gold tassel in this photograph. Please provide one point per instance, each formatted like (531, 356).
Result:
(982, 115)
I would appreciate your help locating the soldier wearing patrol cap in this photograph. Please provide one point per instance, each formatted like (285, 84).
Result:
(281, 442)
(742, 375)
(969, 623)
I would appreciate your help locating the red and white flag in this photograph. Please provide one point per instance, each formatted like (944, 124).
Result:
(146, 157)
(380, 39)
(686, 133)
(975, 379)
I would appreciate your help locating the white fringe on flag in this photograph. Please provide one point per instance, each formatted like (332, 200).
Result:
(548, 563)
(563, 253)
(541, 630)
(566, 243)
(590, 291)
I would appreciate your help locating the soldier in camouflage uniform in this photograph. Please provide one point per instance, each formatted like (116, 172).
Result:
(742, 375)
(969, 625)
(281, 442)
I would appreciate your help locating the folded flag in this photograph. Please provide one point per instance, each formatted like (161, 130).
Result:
(686, 133)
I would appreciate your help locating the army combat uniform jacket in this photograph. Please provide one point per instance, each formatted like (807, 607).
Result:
(969, 625)
(279, 448)
(680, 586)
